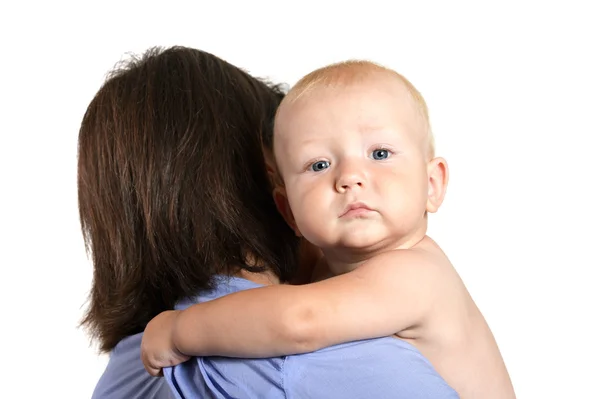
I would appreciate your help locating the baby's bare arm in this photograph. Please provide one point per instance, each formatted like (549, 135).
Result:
(390, 293)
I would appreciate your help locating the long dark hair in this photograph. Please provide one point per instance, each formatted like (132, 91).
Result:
(172, 186)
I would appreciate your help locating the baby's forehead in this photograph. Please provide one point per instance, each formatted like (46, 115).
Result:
(384, 83)
(368, 103)
(300, 127)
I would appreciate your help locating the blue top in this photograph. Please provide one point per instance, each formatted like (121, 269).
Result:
(377, 368)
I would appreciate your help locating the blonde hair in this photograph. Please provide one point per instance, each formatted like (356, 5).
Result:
(356, 71)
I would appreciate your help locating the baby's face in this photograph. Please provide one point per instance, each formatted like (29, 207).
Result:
(354, 163)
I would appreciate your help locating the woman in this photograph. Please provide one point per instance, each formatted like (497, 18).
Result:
(175, 207)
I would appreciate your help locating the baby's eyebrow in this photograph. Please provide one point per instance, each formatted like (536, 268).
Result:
(367, 128)
(307, 141)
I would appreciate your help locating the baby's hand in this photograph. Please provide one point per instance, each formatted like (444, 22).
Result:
(158, 350)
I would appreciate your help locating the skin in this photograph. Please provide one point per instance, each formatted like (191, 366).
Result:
(370, 151)
(359, 183)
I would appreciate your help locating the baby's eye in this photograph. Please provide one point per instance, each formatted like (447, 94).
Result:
(380, 154)
(319, 166)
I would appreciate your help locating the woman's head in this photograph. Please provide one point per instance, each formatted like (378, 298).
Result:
(172, 186)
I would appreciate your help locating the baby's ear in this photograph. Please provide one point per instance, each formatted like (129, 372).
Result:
(274, 177)
(283, 206)
(437, 172)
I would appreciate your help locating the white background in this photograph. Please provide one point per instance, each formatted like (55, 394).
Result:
(514, 94)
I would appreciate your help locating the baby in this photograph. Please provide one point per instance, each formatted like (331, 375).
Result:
(355, 152)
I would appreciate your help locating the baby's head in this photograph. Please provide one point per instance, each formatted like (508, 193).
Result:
(355, 151)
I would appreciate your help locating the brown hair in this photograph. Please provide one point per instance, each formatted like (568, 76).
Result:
(172, 186)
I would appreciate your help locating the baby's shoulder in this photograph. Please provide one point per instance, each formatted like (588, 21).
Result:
(424, 255)
(423, 265)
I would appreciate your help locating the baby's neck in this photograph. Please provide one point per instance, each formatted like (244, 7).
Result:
(344, 260)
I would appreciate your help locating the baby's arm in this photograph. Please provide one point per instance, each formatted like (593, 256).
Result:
(391, 293)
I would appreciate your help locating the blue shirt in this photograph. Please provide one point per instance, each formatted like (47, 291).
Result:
(378, 368)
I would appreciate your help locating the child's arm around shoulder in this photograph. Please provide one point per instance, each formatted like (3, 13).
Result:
(397, 291)
(390, 293)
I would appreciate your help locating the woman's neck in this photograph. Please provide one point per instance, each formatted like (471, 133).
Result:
(263, 278)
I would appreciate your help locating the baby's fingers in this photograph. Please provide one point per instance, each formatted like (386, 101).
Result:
(154, 366)
(153, 371)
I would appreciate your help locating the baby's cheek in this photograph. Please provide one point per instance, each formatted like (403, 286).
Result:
(305, 220)
(311, 226)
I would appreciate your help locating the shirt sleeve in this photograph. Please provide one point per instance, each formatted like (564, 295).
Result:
(380, 368)
(125, 376)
